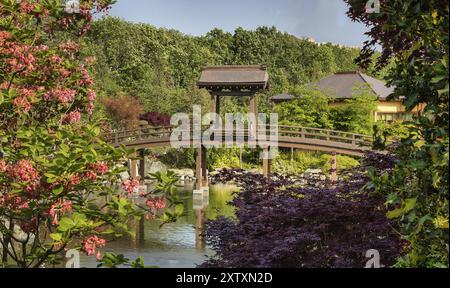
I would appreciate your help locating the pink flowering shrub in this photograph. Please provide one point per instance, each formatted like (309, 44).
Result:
(52, 168)
(54, 162)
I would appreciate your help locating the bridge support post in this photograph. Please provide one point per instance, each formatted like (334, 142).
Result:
(254, 110)
(142, 166)
(213, 103)
(334, 177)
(266, 162)
(133, 167)
(204, 168)
(217, 108)
(201, 168)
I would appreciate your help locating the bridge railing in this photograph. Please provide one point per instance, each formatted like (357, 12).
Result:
(324, 134)
(140, 134)
(285, 132)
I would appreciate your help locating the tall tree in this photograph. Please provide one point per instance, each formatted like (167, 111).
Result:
(414, 34)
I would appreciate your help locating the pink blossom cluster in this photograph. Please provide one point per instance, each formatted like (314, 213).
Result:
(91, 244)
(155, 204)
(27, 6)
(100, 168)
(2, 166)
(69, 46)
(91, 95)
(64, 72)
(22, 171)
(28, 92)
(21, 58)
(75, 180)
(13, 202)
(130, 185)
(72, 117)
(22, 102)
(86, 79)
(91, 175)
(4, 36)
(64, 96)
(32, 190)
(59, 208)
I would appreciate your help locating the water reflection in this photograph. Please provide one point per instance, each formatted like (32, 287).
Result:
(200, 202)
(176, 244)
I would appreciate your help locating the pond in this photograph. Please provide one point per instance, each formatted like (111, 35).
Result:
(175, 245)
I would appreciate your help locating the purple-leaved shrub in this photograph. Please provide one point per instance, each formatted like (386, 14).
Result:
(280, 223)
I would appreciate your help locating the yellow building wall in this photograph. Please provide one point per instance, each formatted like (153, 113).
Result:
(390, 107)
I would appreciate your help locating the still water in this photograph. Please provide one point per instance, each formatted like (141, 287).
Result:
(175, 245)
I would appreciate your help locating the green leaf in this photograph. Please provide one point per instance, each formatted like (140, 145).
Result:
(179, 209)
(65, 224)
(407, 206)
(56, 236)
(58, 190)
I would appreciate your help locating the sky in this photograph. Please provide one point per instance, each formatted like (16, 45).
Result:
(323, 20)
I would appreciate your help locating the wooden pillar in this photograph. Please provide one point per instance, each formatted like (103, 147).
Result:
(292, 154)
(142, 166)
(218, 104)
(254, 106)
(204, 168)
(334, 167)
(213, 103)
(254, 111)
(134, 167)
(201, 168)
(266, 163)
(198, 168)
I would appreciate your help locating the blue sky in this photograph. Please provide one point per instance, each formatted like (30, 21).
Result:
(323, 20)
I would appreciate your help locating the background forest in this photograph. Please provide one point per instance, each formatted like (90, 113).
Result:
(160, 67)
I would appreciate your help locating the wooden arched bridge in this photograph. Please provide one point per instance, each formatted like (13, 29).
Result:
(244, 81)
(294, 137)
(297, 137)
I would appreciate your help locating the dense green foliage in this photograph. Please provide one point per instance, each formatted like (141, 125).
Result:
(302, 161)
(414, 34)
(313, 108)
(356, 114)
(162, 66)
